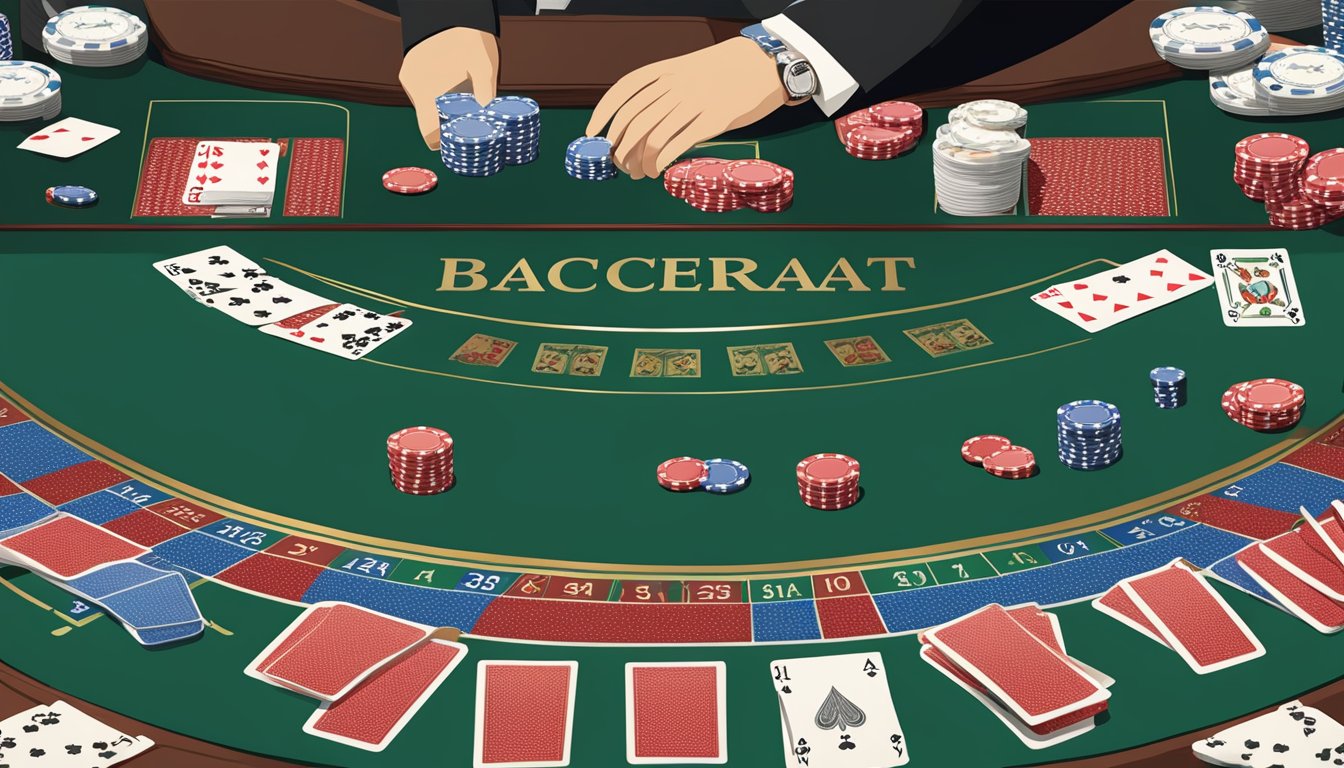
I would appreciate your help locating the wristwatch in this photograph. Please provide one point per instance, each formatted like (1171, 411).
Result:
(795, 71)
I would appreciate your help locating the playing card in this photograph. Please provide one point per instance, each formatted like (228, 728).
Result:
(1192, 618)
(68, 137)
(316, 178)
(60, 736)
(1294, 595)
(837, 711)
(1116, 176)
(1117, 604)
(332, 647)
(524, 713)
(155, 606)
(66, 547)
(1294, 552)
(1099, 301)
(1045, 626)
(1292, 735)
(264, 300)
(1326, 534)
(1256, 288)
(347, 331)
(675, 712)
(1028, 737)
(372, 714)
(232, 173)
(209, 272)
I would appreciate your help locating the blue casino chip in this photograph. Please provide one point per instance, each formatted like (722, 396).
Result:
(725, 476)
(455, 105)
(589, 157)
(72, 196)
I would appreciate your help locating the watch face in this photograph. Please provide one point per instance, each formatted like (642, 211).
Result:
(799, 79)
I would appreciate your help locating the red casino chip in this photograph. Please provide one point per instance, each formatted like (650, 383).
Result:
(978, 448)
(410, 181)
(897, 114)
(683, 473)
(419, 441)
(825, 470)
(1272, 149)
(1014, 462)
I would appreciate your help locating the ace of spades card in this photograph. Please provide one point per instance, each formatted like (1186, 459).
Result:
(1099, 301)
(836, 712)
(1256, 288)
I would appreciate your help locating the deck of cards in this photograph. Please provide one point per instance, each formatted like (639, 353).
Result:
(1099, 301)
(60, 736)
(1256, 288)
(1013, 661)
(236, 178)
(369, 672)
(102, 569)
(1302, 570)
(228, 281)
(1292, 735)
(836, 712)
(1175, 607)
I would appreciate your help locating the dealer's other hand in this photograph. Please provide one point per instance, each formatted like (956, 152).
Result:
(661, 110)
(455, 59)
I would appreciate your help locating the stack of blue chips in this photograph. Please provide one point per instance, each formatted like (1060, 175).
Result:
(6, 39)
(1169, 389)
(1332, 23)
(472, 146)
(520, 119)
(1089, 434)
(589, 158)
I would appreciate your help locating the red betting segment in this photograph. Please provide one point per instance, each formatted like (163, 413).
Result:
(712, 591)
(184, 513)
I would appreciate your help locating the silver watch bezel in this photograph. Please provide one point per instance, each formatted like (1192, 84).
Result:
(784, 62)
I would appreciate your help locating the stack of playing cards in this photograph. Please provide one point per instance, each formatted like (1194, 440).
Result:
(371, 672)
(1303, 569)
(101, 568)
(222, 278)
(1256, 288)
(1014, 662)
(1292, 735)
(60, 736)
(236, 177)
(1175, 607)
(836, 712)
(1106, 298)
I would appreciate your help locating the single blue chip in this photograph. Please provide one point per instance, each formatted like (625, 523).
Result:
(471, 129)
(725, 476)
(590, 148)
(73, 196)
(1166, 375)
(513, 108)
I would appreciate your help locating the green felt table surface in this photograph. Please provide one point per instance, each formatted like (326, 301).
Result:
(558, 469)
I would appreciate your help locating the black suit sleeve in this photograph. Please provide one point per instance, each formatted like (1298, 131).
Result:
(424, 18)
(873, 38)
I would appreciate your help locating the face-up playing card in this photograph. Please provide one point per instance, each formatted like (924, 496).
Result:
(67, 547)
(689, 697)
(1192, 618)
(347, 331)
(372, 715)
(1256, 288)
(264, 300)
(68, 137)
(211, 271)
(524, 713)
(1099, 301)
(232, 172)
(333, 647)
(837, 711)
(60, 736)
(1291, 735)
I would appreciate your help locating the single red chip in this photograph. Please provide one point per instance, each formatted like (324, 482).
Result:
(981, 447)
(410, 181)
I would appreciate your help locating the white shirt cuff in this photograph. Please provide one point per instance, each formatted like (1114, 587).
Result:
(834, 84)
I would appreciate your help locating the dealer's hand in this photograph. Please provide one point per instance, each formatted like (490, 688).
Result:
(455, 59)
(661, 110)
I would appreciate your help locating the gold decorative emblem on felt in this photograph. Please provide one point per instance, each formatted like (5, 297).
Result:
(764, 360)
(947, 338)
(666, 364)
(857, 350)
(571, 359)
(484, 350)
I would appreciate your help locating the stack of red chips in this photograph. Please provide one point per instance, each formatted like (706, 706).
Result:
(828, 481)
(421, 460)
(1271, 167)
(1013, 462)
(1265, 405)
(881, 131)
(715, 185)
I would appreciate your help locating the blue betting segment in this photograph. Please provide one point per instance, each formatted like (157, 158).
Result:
(1285, 487)
(789, 620)
(159, 603)
(1052, 584)
(114, 578)
(170, 634)
(28, 451)
(485, 582)
(201, 554)
(139, 493)
(99, 508)
(435, 607)
(1229, 570)
(1146, 528)
(366, 564)
(21, 511)
(242, 534)
(1066, 549)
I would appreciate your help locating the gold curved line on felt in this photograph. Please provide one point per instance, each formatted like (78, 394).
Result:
(700, 393)
(890, 558)
(395, 301)
(144, 143)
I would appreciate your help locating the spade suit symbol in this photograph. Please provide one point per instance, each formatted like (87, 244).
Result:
(836, 711)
